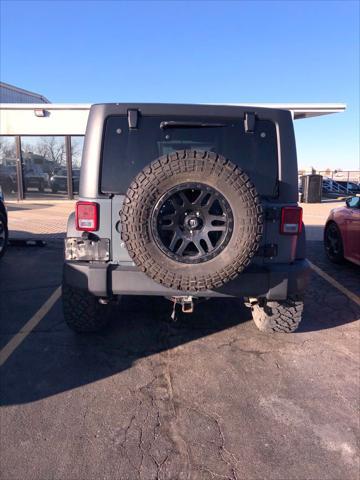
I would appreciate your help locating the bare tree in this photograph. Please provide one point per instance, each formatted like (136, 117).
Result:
(51, 149)
(26, 147)
(76, 151)
(7, 149)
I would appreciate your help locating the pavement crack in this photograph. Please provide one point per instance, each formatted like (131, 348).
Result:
(216, 475)
(173, 420)
(226, 456)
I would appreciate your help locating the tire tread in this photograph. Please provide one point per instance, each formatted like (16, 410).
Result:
(82, 311)
(136, 210)
(283, 316)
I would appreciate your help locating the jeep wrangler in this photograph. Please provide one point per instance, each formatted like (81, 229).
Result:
(187, 201)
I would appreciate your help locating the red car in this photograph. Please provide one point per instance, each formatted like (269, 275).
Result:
(342, 232)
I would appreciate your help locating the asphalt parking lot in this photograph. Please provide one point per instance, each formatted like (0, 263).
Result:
(207, 397)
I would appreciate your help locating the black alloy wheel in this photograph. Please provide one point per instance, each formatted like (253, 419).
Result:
(192, 223)
(333, 243)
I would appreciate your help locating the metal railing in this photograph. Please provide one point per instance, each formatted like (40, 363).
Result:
(341, 175)
(339, 182)
(331, 186)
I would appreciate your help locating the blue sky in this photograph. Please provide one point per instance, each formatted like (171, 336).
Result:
(198, 52)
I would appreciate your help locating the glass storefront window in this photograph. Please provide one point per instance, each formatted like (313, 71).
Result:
(44, 165)
(44, 161)
(8, 175)
(77, 145)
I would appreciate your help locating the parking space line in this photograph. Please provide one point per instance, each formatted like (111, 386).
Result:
(355, 298)
(12, 345)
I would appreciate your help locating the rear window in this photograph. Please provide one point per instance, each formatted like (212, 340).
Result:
(126, 152)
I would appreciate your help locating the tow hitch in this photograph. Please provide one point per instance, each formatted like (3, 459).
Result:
(187, 305)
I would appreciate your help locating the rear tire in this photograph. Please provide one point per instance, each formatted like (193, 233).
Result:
(283, 316)
(333, 243)
(82, 311)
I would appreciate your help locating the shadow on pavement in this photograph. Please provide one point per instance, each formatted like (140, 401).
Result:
(325, 306)
(54, 360)
(48, 238)
(346, 273)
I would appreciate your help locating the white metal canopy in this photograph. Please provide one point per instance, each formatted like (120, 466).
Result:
(301, 110)
(71, 119)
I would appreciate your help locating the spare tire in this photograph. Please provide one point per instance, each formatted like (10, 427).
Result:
(192, 220)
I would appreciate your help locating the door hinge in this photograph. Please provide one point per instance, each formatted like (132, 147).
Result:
(249, 122)
(133, 119)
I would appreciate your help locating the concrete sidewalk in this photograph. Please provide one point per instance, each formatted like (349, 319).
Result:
(34, 219)
(315, 216)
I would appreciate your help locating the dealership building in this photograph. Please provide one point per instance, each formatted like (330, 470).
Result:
(41, 142)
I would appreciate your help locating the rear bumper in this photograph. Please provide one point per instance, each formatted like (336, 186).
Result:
(275, 282)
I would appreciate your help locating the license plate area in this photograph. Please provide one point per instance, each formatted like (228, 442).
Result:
(87, 250)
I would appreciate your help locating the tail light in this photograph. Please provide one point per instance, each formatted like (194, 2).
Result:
(291, 220)
(87, 218)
